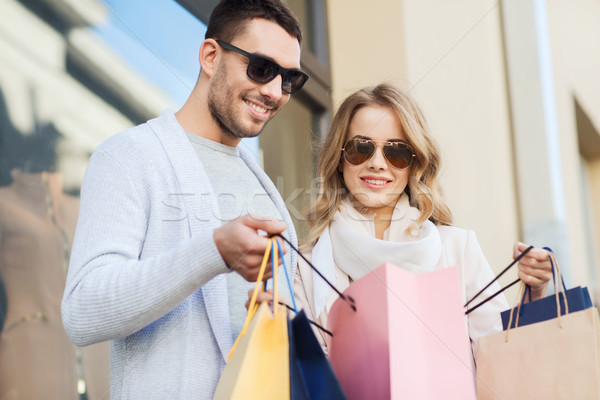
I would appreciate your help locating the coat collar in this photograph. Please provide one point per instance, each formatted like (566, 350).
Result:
(193, 181)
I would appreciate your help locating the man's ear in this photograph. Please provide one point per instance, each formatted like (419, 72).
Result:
(208, 56)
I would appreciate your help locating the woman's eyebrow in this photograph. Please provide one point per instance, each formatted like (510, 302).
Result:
(394, 140)
(397, 140)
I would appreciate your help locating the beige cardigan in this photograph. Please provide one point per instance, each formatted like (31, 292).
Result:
(459, 248)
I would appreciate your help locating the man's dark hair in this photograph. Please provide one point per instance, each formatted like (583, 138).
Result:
(229, 18)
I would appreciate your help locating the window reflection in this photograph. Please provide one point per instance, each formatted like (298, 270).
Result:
(37, 224)
(71, 75)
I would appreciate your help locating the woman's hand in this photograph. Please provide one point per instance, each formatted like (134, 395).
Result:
(262, 297)
(534, 269)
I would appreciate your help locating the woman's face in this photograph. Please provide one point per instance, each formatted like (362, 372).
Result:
(375, 184)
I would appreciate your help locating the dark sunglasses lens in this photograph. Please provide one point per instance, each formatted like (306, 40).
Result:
(400, 155)
(358, 151)
(261, 70)
(293, 81)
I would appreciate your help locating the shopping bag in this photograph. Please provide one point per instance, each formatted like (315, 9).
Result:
(554, 359)
(258, 366)
(544, 309)
(311, 375)
(407, 338)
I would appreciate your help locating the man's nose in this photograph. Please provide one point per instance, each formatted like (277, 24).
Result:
(272, 89)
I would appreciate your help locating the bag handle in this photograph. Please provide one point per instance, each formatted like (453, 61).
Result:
(253, 306)
(294, 309)
(528, 288)
(309, 320)
(287, 277)
(516, 260)
(274, 269)
(348, 299)
(557, 292)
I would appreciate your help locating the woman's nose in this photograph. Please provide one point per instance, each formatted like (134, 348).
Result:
(377, 161)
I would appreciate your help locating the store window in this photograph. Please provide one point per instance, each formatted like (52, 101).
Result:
(72, 73)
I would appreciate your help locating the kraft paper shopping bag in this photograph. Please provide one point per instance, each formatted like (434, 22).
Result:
(556, 359)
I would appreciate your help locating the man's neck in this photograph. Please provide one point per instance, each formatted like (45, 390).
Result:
(195, 118)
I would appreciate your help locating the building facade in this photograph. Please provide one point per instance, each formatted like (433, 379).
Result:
(510, 90)
(511, 95)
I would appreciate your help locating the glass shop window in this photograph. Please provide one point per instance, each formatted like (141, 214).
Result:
(72, 73)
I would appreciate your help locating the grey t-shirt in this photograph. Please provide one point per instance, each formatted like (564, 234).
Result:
(238, 192)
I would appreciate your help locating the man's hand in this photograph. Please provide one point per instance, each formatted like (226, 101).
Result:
(262, 297)
(534, 269)
(242, 248)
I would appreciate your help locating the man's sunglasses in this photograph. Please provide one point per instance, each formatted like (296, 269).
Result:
(262, 70)
(358, 150)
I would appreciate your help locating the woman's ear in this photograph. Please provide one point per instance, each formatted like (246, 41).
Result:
(208, 56)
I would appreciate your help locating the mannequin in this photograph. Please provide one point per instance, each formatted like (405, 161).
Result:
(37, 360)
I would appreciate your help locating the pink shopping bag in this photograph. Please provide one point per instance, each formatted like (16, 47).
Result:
(407, 339)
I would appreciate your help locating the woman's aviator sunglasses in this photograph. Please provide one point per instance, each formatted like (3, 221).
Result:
(262, 70)
(358, 150)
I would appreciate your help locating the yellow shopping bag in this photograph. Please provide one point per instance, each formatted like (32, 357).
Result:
(258, 365)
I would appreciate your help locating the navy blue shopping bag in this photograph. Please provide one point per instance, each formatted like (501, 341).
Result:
(578, 298)
(311, 375)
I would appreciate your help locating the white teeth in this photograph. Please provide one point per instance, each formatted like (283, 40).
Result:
(376, 181)
(259, 109)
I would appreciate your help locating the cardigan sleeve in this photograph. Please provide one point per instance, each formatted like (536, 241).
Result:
(111, 291)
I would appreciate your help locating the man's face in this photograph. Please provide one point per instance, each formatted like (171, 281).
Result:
(241, 106)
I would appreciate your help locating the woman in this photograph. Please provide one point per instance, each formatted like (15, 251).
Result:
(379, 201)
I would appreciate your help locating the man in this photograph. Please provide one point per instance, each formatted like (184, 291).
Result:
(160, 226)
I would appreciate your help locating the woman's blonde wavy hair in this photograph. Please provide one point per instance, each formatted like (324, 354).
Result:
(423, 186)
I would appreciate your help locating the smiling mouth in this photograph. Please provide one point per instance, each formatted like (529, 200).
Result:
(376, 182)
(259, 110)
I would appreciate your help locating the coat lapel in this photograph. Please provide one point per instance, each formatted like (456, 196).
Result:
(193, 182)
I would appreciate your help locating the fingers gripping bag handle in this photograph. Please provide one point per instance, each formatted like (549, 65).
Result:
(556, 273)
(253, 306)
(555, 270)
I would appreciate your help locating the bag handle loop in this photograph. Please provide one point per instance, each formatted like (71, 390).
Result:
(309, 320)
(516, 260)
(348, 299)
(294, 308)
(287, 276)
(556, 273)
(528, 288)
(253, 306)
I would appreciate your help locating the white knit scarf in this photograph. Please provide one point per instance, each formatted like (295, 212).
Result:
(349, 243)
